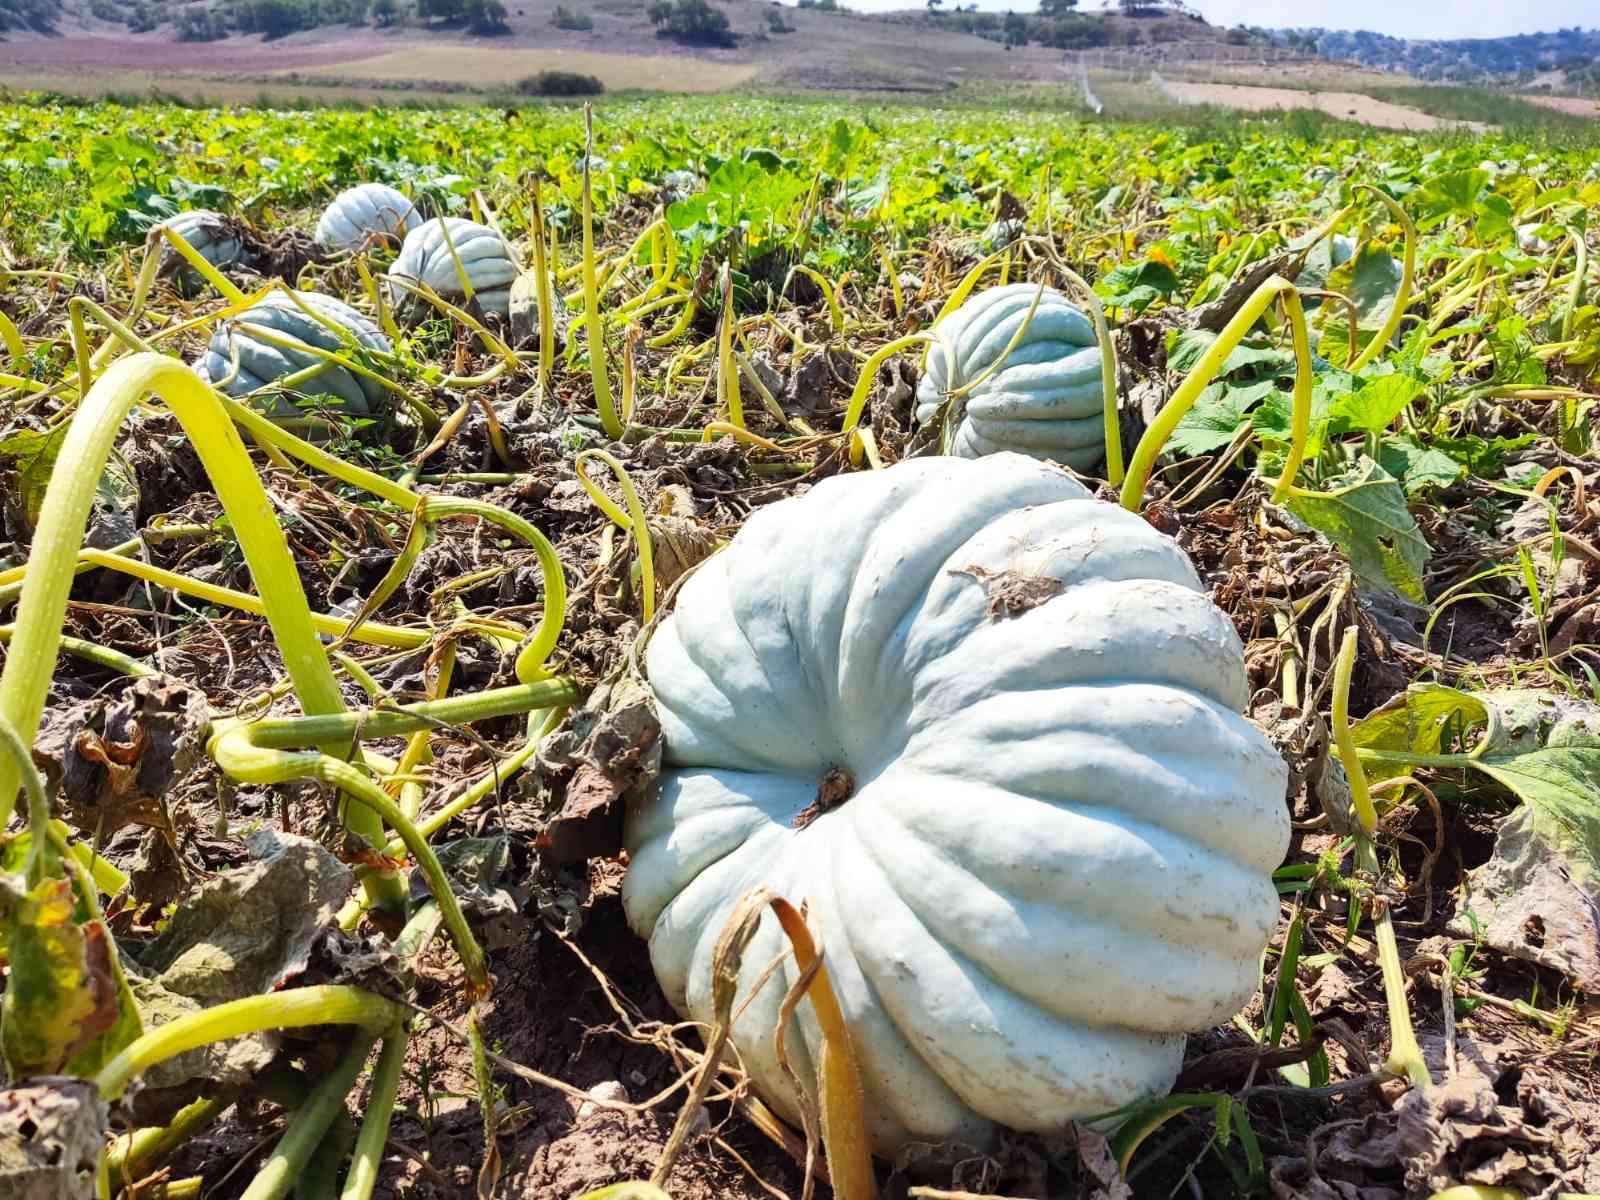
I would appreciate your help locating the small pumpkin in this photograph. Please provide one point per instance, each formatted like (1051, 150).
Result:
(425, 257)
(262, 363)
(989, 728)
(359, 214)
(523, 308)
(1529, 240)
(215, 237)
(1046, 400)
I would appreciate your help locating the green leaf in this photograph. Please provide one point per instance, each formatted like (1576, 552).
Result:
(1213, 421)
(1138, 286)
(1372, 280)
(1191, 345)
(1482, 456)
(1365, 515)
(1426, 716)
(1452, 193)
(1495, 220)
(1417, 467)
(1273, 418)
(1374, 406)
(627, 1191)
(34, 455)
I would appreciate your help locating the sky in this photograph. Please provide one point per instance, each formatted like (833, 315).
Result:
(1418, 18)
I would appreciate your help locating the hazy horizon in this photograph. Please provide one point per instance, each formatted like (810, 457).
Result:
(1464, 19)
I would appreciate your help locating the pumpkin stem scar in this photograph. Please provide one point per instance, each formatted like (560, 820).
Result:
(1012, 593)
(835, 787)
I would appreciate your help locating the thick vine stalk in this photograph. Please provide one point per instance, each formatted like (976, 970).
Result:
(1408, 275)
(594, 329)
(1276, 288)
(1405, 1055)
(296, 1008)
(63, 518)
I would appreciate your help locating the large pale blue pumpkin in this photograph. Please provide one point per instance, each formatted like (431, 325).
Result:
(365, 213)
(213, 236)
(425, 256)
(1045, 400)
(989, 728)
(262, 362)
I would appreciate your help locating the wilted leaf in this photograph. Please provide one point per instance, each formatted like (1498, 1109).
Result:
(607, 750)
(116, 759)
(1525, 902)
(1559, 786)
(51, 1134)
(475, 867)
(249, 929)
(1365, 514)
(62, 991)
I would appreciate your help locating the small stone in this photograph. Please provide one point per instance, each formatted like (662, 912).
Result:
(610, 1091)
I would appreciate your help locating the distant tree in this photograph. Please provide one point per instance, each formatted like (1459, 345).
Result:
(933, 6)
(1056, 8)
(693, 21)
(440, 10)
(384, 13)
(566, 18)
(274, 18)
(485, 17)
(197, 23)
(1015, 28)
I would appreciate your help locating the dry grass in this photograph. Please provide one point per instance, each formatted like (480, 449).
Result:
(1573, 106)
(488, 68)
(196, 87)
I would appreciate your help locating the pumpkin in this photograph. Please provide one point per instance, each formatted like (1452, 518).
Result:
(262, 363)
(1529, 241)
(425, 257)
(215, 237)
(1046, 400)
(988, 727)
(523, 308)
(366, 211)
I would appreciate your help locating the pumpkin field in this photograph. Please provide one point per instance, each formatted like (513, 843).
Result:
(721, 648)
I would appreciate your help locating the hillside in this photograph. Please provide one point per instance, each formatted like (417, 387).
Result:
(433, 48)
(1557, 58)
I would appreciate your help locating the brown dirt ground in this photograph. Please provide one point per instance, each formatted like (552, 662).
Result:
(1348, 105)
(1575, 106)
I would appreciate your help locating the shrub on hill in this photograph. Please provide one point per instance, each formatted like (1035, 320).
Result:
(560, 83)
